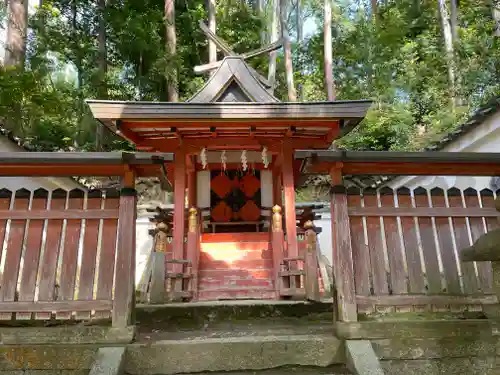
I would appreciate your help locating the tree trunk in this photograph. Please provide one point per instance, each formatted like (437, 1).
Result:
(374, 8)
(330, 85)
(171, 44)
(495, 12)
(274, 35)
(103, 69)
(300, 40)
(448, 44)
(78, 65)
(300, 25)
(17, 27)
(261, 14)
(212, 11)
(292, 95)
(454, 20)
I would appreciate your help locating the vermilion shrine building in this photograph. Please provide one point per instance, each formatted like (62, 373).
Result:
(233, 144)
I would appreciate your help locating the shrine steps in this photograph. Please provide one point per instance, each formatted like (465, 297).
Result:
(235, 266)
(236, 337)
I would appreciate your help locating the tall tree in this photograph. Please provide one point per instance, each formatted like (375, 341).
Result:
(287, 45)
(261, 13)
(328, 55)
(299, 24)
(212, 51)
(17, 27)
(449, 50)
(274, 35)
(495, 12)
(103, 67)
(171, 47)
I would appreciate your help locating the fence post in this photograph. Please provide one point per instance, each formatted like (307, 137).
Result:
(278, 239)
(342, 255)
(193, 246)
(124, 297)
(311, 263)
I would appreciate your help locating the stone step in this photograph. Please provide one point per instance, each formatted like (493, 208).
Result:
(246, 353)
(236, 293)
(286, 370)
(205, 314)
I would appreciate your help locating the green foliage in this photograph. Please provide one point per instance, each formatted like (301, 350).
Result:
(398, 61)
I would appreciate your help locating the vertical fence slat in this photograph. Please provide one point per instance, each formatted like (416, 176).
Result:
(32, 254)
(48, 268)
(5, 200)
(484, 272)
(377, 259)
(488, 200)
(360, 252)
(70, 252)
(108, 253)
(397, 273)
(428, 244)
(14, 252)
(410, 240)
(89, 253)
(444, 234)
(462, 240)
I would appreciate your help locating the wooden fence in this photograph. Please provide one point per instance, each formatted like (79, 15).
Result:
(59, 251)
(399, 249)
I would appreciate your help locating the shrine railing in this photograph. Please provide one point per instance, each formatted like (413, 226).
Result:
(403, 248)
(59, 251)
(70, 255)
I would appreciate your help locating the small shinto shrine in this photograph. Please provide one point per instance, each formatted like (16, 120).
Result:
(233, 144)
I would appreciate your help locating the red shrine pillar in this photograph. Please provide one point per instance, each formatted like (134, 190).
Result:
(179, 204)
(289, 204)
(191, 181)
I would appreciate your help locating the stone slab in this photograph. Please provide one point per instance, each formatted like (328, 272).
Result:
(414, 329)
(46, 357)
(66, 335)
(233, 354)
(198, 315)
(433, 348)
(108, 361)
(361, 358)
(45, 372)
(454, 366)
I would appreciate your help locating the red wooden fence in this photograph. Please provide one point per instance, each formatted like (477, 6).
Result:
(404, 248)
(58, 254)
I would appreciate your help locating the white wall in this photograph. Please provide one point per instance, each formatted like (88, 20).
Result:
(484, 138)
(144, 243)
(325, 237)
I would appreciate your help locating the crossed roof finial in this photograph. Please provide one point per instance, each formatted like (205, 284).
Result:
(228, 52)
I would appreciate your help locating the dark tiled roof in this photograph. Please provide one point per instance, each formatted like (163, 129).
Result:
(477, 118)
(16, 140)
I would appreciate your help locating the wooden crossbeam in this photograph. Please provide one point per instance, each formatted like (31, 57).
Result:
(228, 51)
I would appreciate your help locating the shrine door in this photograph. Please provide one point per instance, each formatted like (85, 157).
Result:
(235, 199)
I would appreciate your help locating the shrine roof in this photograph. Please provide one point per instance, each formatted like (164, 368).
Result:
(234, 109)
(161, 125)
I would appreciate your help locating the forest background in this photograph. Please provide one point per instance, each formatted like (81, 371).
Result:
(426, 63)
